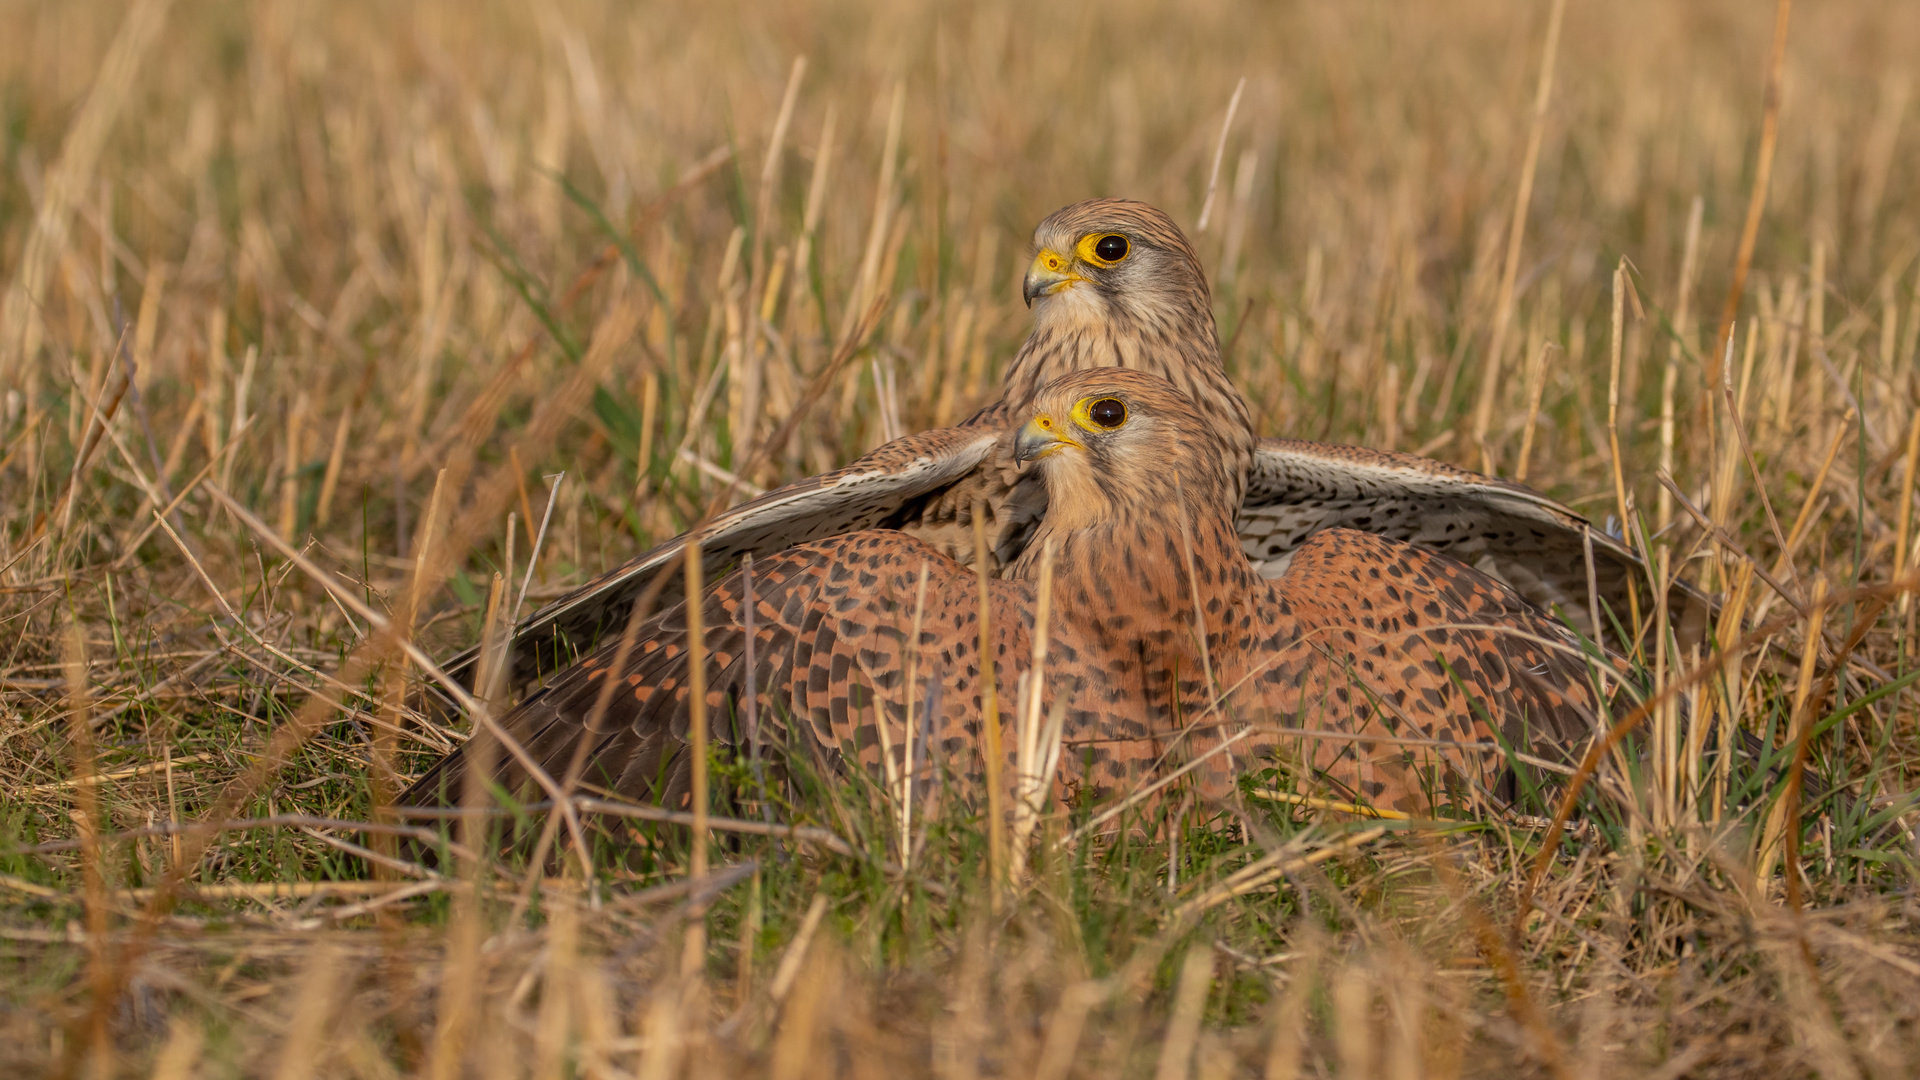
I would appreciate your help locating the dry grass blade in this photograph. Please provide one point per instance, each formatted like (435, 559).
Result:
(694, 963)
(1682, 333)
(1037, 744)
(1618, 344)
(1627, 724)
(1220, 153)
(1753, 468)
(97, 425)
(313, 1011)
(181, 1053)
(1335, 805)
(1269, 869)
(1727, 541)
(1183, 1027)
(340, 259)
(21, 328)
(1516, 233)
(539, 539)
(910, 764)
(589, 738)
(388, 637)
(166, 513)
(995, 759)
(128, 773)
(796, 954)
(1784, 820)
(96, 1036)
(1757, 200)
(1537, 385)
(1907, 481)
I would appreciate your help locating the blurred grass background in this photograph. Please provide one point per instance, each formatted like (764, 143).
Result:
(353, 254)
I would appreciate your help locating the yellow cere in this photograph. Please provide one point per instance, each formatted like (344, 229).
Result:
(1043, 425)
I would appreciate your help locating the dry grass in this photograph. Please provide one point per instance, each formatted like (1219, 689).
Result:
(379, 273)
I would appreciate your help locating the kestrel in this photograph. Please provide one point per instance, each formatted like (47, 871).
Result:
(1115, 282)
(1389, 673)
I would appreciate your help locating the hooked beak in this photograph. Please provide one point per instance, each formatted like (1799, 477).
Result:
(1039, 437)
(1050, 272)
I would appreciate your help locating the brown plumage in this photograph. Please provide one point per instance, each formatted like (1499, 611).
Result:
(1163, 641)
(1143, 305)
(1147, 310)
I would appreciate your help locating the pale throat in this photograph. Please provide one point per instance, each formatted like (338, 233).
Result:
(1079, 504)
(1075, 501)
(1075, 311)
(1081, 327)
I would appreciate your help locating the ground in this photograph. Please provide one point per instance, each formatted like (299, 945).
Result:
(429, 289)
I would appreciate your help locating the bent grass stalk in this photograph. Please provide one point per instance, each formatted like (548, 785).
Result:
(364, 204)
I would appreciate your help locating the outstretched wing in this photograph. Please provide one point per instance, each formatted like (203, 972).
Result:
(833, 652)
(1368, 636)
(1513, 533)
(875, 491)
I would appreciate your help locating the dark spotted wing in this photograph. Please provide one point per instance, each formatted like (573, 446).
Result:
(1513, 533)
(874, 491)
(1371, 636)
(833, 650)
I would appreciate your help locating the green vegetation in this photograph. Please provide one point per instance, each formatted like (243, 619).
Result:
(381, 274)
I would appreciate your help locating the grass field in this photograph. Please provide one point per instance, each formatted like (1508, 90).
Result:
(428, 287)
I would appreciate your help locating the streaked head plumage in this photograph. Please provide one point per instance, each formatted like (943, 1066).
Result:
(1108, 258)
(1111, 437)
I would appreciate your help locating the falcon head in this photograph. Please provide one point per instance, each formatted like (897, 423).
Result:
(1110, 441)
(1115, 260)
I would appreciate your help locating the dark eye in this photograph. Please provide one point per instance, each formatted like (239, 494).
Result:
(1111, 248)
(1108, 412)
